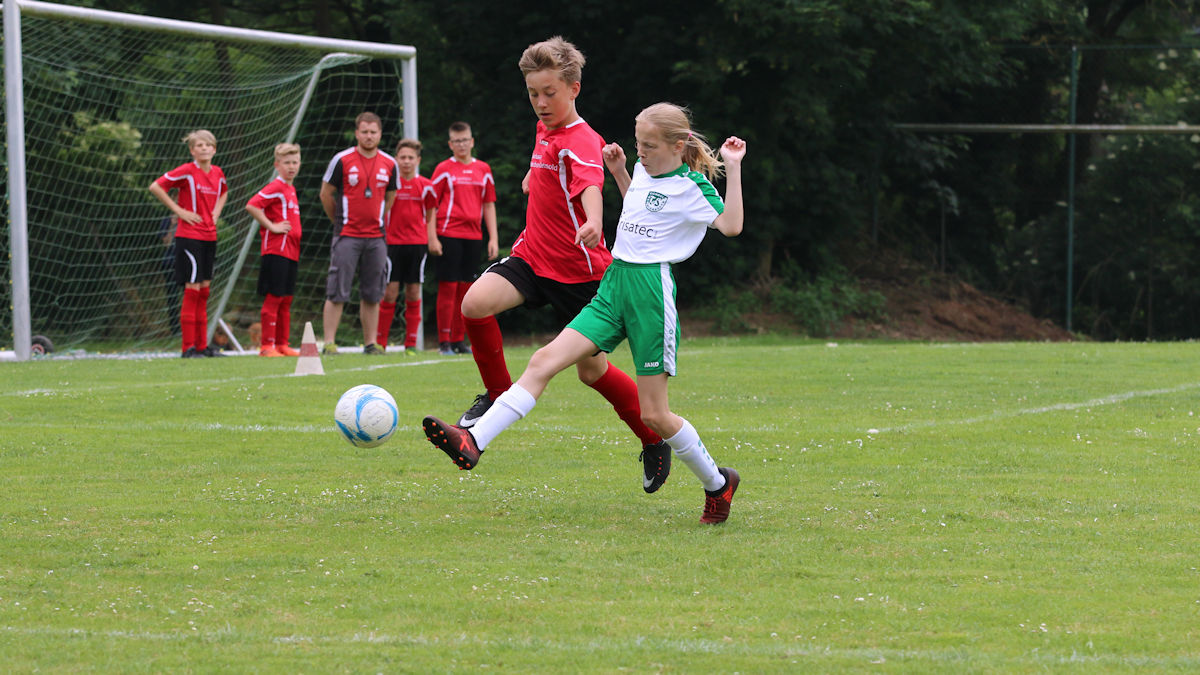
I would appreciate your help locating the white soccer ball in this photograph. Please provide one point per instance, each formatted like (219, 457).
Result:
(366, 415)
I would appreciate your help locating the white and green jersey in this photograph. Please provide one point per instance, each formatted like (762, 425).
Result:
(664, 218)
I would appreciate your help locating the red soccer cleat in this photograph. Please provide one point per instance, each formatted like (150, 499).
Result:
(716, 504)
(456, 442)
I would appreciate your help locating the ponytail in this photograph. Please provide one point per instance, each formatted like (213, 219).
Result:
(674, 122)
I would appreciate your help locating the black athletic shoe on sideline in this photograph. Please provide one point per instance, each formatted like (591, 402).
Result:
(481, 405)
(192, 353)
(456, 442)
(716, 504)
(460, 347)
(373, 350)
(211, 351)
(656, 465)
(444, 349)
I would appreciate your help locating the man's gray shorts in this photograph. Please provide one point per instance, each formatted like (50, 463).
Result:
(346, 256)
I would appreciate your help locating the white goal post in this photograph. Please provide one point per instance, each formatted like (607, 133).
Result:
(301, 76)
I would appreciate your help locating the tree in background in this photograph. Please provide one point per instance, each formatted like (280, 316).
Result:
(814, 86)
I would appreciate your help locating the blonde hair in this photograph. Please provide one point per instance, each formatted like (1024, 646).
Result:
(200, 135)
(286, 149)
(675, 124)
(554, 54)
(411, 143)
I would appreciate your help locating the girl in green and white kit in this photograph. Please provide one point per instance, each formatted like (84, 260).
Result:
(669, 205)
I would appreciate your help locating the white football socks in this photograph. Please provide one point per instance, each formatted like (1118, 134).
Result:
(691, 451)
(510, 407)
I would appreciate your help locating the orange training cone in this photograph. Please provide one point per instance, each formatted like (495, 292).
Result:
(309, 362)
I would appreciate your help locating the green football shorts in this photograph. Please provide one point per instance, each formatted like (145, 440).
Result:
(635, 302)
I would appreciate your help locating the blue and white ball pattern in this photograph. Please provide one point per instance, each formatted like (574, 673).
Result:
(366, 415)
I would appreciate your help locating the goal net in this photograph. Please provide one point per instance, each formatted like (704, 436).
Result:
(108, 99)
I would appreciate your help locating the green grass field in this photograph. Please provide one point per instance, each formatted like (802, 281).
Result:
(903, 508)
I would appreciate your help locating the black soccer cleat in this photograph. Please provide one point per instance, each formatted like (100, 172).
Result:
(456, 442)
(656, 465)
(481, 405)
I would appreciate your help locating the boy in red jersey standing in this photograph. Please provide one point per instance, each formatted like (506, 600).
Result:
(466, 193)
(277, 211)
(202, 194)
(560, 256)
(409, 221)
(357, 192)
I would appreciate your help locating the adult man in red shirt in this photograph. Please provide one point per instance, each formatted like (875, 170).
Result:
(466, 193)
(358, 189)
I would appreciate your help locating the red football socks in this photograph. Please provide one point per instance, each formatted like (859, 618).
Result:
(621, 391)
(457, 328)
(187, 317)
(387, 312)
(487, 346)
(412, 322)
(283, 325)
(447, 293)
(269, 316)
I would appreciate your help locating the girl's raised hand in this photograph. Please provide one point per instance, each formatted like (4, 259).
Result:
(614, 155)
(733, 149)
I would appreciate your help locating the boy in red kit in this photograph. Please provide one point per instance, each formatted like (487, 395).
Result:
(277, 211)
(466, 192)
(411, 217)
(560, 256)
(357, 191)
(202, 194)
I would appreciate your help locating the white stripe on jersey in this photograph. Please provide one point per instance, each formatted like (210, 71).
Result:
(283, 209)
(337, 159)
(562, 182)
(450, 204)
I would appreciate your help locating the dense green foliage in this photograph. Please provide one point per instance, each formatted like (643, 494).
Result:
(908, 508)
(814, 86)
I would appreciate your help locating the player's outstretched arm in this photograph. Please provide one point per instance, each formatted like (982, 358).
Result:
(733, 150)
(614, 159)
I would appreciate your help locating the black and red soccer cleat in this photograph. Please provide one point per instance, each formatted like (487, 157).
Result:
(656, 465)
(716, 504)
(457, 442)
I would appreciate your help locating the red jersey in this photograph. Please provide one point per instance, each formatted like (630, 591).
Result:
(279, 203)
(406, 222)
(462, 190)
(565, 161)
(362, 183)
(198, 193)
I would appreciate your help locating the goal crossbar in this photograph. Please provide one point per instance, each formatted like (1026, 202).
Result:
(190, 28)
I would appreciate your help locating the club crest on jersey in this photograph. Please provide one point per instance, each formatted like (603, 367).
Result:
(655, 201)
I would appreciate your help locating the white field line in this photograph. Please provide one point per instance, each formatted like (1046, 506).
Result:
(810, 652)
(1057, 407)
(52, 391)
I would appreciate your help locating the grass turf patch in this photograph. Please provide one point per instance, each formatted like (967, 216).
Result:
(939, 507)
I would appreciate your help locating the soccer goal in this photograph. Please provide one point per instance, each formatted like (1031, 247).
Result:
(96, 106)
